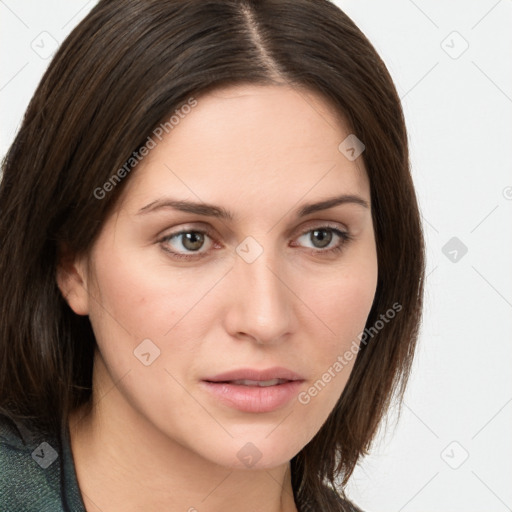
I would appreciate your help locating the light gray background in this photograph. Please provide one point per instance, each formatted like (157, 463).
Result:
(452, 448)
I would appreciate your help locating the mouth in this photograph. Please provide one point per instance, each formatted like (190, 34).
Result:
(254, 391)
(259, 383)
(254, 377)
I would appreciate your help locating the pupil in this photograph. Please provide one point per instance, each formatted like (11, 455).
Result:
(193, 241)
(323, 236)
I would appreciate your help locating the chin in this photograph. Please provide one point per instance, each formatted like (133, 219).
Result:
(258, 451)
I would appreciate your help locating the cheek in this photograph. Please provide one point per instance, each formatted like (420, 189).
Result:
(129, 301)
(344, 308)
(141, 298)
(344, 299)
(342, 302)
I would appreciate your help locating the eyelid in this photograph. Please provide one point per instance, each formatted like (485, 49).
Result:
(206, 229)
(319, 224)
(186, 228)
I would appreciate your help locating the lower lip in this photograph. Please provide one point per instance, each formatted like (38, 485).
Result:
(254, 398)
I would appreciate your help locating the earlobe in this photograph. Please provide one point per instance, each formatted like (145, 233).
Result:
(72, 282)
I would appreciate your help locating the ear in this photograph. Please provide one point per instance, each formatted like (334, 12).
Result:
(72, 280)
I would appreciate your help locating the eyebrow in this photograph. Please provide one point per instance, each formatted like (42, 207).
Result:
(210, 210)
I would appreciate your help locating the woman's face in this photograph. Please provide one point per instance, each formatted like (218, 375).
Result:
(216, 275)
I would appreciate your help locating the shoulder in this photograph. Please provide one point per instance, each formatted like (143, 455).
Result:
(29, 468)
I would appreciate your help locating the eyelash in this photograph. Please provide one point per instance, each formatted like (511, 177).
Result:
(343, 235)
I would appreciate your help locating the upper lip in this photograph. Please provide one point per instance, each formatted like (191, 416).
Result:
(257, 375)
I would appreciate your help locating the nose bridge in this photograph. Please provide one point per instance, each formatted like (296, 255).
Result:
(262, 300)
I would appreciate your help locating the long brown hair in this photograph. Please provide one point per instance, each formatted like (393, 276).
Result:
(122, 71)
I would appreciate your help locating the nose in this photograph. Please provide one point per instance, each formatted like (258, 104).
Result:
(260, 302)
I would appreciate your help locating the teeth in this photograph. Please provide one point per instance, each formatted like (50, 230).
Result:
(259, 383)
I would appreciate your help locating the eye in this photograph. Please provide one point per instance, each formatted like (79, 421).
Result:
(189, 241)
(326, 239)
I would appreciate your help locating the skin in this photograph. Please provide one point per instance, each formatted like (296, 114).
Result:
(155, 439)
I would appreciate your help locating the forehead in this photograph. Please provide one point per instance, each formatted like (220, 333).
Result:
(249, 144)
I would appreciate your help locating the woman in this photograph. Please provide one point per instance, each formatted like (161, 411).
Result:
(212, 262)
